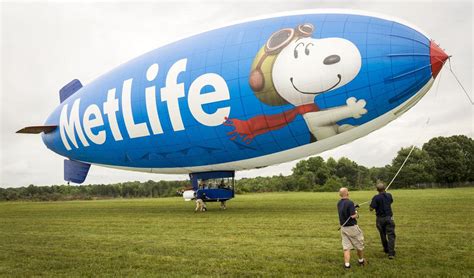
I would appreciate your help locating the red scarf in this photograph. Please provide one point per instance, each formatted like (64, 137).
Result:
(252, 127)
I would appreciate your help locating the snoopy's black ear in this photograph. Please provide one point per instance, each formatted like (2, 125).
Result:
(305, 30)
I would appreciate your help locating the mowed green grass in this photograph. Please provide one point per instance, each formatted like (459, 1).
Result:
(273, 234)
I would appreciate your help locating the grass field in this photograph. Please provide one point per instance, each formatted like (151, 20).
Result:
(273, 234)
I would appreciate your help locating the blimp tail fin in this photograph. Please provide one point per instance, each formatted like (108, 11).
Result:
(75, 171)
(38, 129)
(69, 89)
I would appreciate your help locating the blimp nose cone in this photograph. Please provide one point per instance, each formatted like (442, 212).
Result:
(437, 58)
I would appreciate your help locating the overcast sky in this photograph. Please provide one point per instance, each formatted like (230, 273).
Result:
(46, 45)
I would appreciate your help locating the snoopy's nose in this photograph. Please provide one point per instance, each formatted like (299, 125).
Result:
(331, 59)
(437, 58)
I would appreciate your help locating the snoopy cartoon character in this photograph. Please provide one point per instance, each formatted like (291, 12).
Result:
(294, 68)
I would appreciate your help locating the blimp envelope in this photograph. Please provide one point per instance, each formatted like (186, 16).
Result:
(247, 95)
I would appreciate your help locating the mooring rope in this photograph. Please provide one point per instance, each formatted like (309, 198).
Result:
(406, 158)
(459, 82)
(426, 124)
(393, 179)
(437, 85)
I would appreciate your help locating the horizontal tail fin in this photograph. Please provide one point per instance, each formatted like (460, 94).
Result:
(75, 171)
(38, 129)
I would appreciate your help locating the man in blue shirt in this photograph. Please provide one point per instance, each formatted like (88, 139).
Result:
(352, 236)
(382, 203)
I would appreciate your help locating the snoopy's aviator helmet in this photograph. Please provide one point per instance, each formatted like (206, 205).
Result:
(260, 78)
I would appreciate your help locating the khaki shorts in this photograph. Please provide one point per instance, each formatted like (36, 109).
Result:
(352, 237)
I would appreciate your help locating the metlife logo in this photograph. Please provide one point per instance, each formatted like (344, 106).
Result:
(92, 118)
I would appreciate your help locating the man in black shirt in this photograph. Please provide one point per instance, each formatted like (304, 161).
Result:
(352, 236)
(382, 203)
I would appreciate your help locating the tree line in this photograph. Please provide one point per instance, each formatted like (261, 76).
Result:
(441, 162)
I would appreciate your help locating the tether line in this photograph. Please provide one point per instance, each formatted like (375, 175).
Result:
(404, 162)
(459, 82)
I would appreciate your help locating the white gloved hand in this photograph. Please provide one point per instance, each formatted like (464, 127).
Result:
(356, 107)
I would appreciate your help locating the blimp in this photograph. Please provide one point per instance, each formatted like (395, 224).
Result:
(247, 95)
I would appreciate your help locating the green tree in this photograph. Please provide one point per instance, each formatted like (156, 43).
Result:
(331, 164)
(451, 157)
(314, 165)
(380, 174)
(467, 147)
(333, 184)
(418, 168)
(348, 170)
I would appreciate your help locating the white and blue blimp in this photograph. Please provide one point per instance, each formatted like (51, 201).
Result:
(244, 96)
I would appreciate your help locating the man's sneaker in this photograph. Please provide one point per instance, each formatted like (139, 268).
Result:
(347, 267)
(363, 263)
(391, 257)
